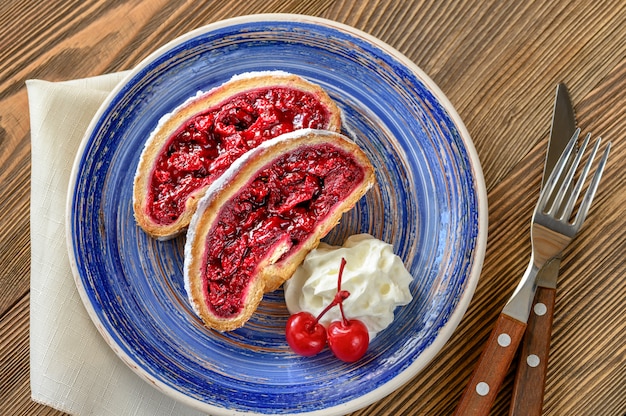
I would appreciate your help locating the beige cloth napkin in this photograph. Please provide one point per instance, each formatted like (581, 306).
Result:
(71, 367)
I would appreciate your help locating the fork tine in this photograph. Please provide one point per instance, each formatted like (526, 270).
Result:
(569, 207)
(565, 185)
(556, 172)
(593, 186)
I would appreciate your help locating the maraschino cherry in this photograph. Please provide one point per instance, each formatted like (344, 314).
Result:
(348, 339)
(305, 335)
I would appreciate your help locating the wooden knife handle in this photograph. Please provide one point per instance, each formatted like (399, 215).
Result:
(530, 378)
(482, 389)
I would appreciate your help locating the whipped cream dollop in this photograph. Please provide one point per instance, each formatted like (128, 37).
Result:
(376, 278)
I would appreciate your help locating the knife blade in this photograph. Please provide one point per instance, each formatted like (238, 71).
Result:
(530, 377)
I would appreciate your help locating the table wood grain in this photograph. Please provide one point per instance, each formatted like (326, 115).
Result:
(497, 61)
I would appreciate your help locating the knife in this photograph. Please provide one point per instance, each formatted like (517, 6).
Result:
(503, 342)
(530, 377)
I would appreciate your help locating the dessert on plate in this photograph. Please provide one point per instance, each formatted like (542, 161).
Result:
(197, 142)
(257, 222)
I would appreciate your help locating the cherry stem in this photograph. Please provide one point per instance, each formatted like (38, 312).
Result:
(340, 275)
(339, 292)
(343, 316)
(339, 297)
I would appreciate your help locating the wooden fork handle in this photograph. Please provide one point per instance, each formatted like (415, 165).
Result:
(482, 389)
(530, 378)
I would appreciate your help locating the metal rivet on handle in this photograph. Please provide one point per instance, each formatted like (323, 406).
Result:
(540, 309)
(482, 388)
(504, 340)
(532, 360)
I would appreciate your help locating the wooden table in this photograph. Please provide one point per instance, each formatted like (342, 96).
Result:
(497, 61)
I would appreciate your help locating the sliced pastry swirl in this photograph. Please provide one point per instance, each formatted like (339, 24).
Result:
(257, 222)
(196, 143)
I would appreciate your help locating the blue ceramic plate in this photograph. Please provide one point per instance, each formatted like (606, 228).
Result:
(430, 203)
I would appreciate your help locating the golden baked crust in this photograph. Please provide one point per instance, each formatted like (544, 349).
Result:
(269, 274)
(171, 124)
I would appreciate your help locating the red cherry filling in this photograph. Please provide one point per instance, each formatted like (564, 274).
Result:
(279, 207)
(207, 144)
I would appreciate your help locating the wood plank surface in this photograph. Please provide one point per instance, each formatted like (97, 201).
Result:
(497, 61)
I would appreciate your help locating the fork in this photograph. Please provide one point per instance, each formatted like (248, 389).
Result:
(552, 229)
